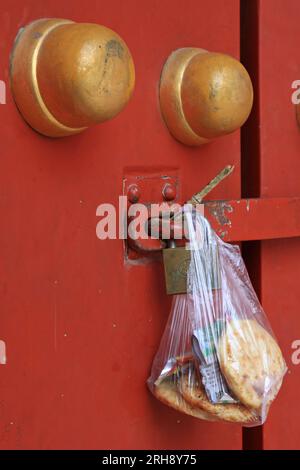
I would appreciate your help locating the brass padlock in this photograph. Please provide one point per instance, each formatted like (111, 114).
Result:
(176, 264)
(177, 259)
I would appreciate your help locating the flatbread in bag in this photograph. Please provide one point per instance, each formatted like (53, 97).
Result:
(251, 361)
(194, 393)
(167, 391)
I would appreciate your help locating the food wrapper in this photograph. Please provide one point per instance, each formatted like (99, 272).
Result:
(218, 359)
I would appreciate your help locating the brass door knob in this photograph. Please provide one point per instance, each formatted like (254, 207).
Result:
(67, 76)
(204, 95)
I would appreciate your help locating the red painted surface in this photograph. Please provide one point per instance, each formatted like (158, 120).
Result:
(280, 168)
(80, 326)
(254, 219)
(233, 220)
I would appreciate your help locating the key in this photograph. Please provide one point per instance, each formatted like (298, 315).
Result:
(198, 197)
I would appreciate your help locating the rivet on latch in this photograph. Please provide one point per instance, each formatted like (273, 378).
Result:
(169, 192)
(133, 193)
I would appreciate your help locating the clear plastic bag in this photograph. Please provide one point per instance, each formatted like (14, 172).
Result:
(218, 358)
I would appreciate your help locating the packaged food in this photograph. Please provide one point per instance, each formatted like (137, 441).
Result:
(218, 358)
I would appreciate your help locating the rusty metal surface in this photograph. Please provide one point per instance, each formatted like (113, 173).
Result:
(254, 219)
(235, 220)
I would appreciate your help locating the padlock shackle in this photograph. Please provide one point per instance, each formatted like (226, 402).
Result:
(165, 229)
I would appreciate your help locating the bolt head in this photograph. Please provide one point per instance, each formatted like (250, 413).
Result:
(169, 192)
(133, 193)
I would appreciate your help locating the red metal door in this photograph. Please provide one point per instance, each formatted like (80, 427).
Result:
(80, 325)
(273, 171)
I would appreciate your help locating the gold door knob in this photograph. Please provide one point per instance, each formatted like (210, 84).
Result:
(204, 95)
(67, 76)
